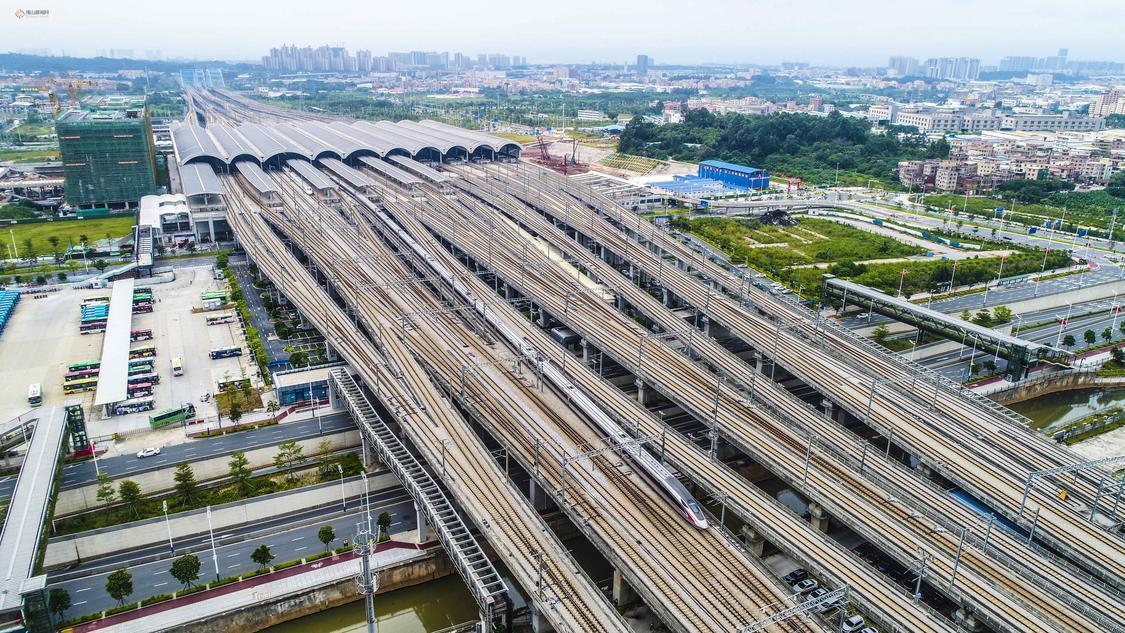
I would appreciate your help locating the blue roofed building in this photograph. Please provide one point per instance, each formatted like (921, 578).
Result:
(734, 176)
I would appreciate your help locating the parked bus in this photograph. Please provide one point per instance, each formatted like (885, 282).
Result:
(93, 319)
(140, 391)
(71, 376)
(140, 335)
(143, 378)
(93, 364)
(35, 394)
(172, 416)
(147, 351)
(97, 299)
(136, 370)
(142, 308)
(177, 367)
(134, 405)
(216, 319)
(78, 386)
(97, 327)
(225, 352)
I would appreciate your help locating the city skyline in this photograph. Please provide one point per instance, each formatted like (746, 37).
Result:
(812, 31)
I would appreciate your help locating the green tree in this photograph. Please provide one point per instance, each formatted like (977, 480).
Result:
(131, 495)
(41, 280)
(326, 535)
(235, 413)
(1107, 334)
(119, 585)
(298, 359)
(83, 239)
(61, 276)
(54, 242)
(221, 261)
(240, 473)
(880, 333)
(983, 318)
(185, 484)
(59, 599)
(966, 315)
(324, 456)
(290, 454)
(1002, 314)
(384, 523)
(1121, 327)
(262, 555)
(105, 491)
(1118, 355)
(989, 365)
(1090, 337)
(185, 569)
(101, 265)
(1068, 341)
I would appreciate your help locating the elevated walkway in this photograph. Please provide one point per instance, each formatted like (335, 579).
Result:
(113, 372)
(21, 592)
(1020, 353)
(480, 576)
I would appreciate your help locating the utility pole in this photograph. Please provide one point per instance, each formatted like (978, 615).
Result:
(367, 582)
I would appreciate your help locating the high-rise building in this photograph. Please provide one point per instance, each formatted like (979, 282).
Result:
(1017, 64)
(959, 68)
(1109, 102)
(900, 66)
(642, 65)
(107, 151)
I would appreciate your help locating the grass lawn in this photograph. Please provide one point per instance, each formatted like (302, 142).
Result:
(67, 231)
(519, 138)
(29, 155)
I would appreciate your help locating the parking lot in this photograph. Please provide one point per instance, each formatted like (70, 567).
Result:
(43, 335)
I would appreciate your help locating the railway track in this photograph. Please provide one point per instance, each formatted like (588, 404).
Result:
(1072, 591)
(606, 334)
(567, 598)
(986, 472)
(671, 557)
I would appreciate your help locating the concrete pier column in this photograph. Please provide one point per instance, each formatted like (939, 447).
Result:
(829, 408)
(539, 624)
(542, 318)
(619, 302)
(706, 325)
(585, 352)
(539, 499)
(755, 542)
(509, 294)
(333, 399)
(965, 618)
(644, 394)
(665, 297)
(818, 517)
(421, 525)
(925, 471)
(756, 360)
(622, 593)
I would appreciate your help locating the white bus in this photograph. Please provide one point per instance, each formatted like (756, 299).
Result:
(35, 394)
(177, 367)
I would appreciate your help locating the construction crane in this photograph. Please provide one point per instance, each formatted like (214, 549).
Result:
(74, 90)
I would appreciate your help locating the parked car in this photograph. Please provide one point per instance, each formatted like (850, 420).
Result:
(148, 452)
(816, 593)
(830, 605)
(803, 586)
(795, 576)
(853, 623)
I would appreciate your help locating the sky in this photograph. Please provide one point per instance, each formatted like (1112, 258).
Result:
(825, 32)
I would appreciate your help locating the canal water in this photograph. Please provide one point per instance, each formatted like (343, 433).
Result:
(431, 606)
(1056, 410)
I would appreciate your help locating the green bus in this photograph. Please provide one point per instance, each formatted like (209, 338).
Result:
(93, 364)
(172, 416)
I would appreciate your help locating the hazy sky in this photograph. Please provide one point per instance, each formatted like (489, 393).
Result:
(843, 32)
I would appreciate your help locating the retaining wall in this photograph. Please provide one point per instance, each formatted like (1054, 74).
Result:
(68, 550)
(74, 500)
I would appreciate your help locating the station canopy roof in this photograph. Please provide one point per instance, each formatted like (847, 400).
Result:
(260, 142)
(198, 179)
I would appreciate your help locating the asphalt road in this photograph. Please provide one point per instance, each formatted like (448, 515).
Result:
(88, 593)
(84, 473)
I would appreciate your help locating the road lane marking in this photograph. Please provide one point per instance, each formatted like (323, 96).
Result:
(82, 589)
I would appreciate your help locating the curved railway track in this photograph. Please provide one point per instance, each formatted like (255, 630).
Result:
(670, 368)
(680, 563)
(983, 470)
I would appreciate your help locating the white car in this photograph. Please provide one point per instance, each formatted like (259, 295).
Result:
(853, 623)
(803, 586)
(148, 452)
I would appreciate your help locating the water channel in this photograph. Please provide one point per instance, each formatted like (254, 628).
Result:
(1055, 410)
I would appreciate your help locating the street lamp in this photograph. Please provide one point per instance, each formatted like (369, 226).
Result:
(1019, 324)
(1062, 322)
(211, 531)
(168, 525)
(1116, 311)
(343, 499)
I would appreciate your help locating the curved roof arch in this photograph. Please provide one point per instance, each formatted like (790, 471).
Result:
(263, 142)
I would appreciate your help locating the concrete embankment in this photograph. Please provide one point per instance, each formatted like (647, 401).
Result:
(70, 550)
(74, 500)
(1034, 388)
